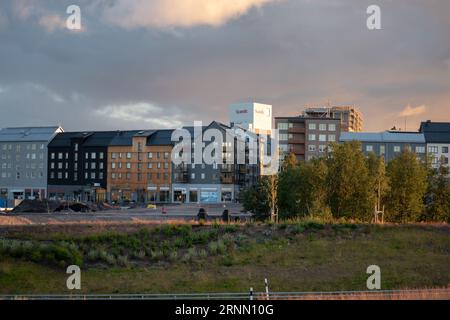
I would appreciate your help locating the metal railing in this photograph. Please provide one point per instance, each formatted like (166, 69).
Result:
(438, 293)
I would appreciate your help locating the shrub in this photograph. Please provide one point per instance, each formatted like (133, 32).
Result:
(123, 261)
(156, 254)
(202, 253)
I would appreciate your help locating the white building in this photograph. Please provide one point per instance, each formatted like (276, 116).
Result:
(255, 117)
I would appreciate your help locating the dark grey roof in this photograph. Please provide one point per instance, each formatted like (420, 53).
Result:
(160, 138)
(64, 139)
(436, 132)
(28, 134)
(123, 138)
(100, 139)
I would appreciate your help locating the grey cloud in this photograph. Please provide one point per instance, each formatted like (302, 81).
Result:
(289, 54)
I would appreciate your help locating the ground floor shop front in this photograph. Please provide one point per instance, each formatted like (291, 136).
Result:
(201, 193)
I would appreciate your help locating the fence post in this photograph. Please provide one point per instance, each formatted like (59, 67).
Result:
(251, 293)
(267, 288)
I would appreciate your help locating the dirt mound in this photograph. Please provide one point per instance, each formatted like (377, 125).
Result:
(36, 206)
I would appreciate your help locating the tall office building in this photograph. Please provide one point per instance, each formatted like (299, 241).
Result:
(351, 118)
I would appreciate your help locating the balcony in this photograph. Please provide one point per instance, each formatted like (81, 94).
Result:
(181, 174)
(226, 179)
(297, 139)
(297, 150)
(296, 129)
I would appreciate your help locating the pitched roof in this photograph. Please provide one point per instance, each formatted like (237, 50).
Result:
(28, 134)
(436, 132)
(386, 136)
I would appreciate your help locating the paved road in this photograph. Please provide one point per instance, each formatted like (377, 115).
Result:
(172, 212)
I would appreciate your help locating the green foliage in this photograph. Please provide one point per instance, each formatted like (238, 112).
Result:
(302, 190)
(408, 184)
(438, 196)
(350, 190)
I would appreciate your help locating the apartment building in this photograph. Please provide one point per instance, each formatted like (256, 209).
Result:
(307, 138)
(437, 137)
(217, 182)
(140, 166)
(351, 118)
(23, 162)
(77, 165)
(389, 143)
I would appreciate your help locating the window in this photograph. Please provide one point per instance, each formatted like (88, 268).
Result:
(52, 175)
(76, 146)
(60, 156)
(149, 176)
(113, 176)
(76, 156)
(312, 126)
(282, 126)
(444, 149)
(382, 149)
(52, 155)
(101, 155)
(75, 166)
(93, 155)
(128, 165)
(159, 165)
(92, 175)
(60, 165)
(166, 165)
(113, 165)
(322, 137)
(332, 137)
(150, 155)
(322, 127)
(322, 148)
(100, 165)
(86, 155)
(52, 165)
(312, 137)
(312, 148)
(332, 127)
(114, 155)
(59, 175)
(420, 149)
(192, 175)
(283, 136)
(397, 149)
(128, 155)
(93, 165)
(100, 175)
(369, 148)
(444, 160)
(203, 176)
(149, 165)
(433, 149)
(166, 155)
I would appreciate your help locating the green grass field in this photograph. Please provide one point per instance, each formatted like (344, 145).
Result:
(300, 256)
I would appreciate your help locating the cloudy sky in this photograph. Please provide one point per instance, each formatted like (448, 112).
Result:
(139, 64)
